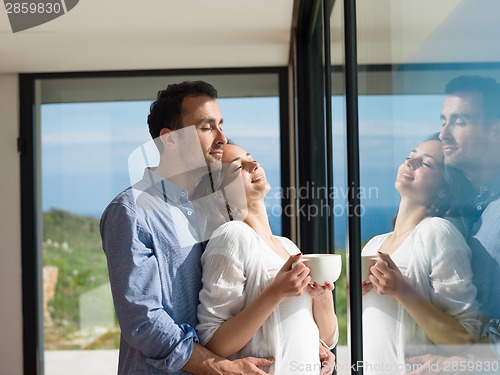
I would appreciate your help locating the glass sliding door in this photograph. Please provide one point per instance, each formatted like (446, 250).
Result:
(88, 129)
(403, 67)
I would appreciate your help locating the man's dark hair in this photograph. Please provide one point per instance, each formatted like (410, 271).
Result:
(488, 87)
(166, 110)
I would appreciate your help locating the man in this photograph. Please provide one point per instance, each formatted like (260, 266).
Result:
(153, 235)
(152, 241)
(470, 135)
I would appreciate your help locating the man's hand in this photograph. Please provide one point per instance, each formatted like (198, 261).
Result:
(426, 364)
(430, 364)
(249, 365)
(204, 362)
(327, 359)
(477, 359)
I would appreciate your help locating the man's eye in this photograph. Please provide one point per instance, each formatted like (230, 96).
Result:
(460, 121)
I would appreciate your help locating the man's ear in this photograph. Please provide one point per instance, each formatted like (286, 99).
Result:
(495, 132)
(167, 137)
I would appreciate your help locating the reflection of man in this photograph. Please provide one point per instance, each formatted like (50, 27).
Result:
(151, 237)
(470, 134)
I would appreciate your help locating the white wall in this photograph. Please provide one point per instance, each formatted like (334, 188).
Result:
(11, 350)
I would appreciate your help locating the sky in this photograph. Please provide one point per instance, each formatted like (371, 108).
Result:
(86, 147)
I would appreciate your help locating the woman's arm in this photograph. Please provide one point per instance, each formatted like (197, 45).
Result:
(234, 333)
(440, 328)
(324, 313)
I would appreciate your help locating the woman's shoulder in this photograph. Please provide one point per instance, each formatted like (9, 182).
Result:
(440, 234)
(232, 228)
(230, 237)
(438, 225)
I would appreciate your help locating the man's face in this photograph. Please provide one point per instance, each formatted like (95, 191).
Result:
(464, 134)
(204, 113)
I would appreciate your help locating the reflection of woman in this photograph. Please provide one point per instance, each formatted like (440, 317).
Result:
(424, 298)
(253, 301)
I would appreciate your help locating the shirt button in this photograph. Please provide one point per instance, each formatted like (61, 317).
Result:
(190, 213)
(479, 208)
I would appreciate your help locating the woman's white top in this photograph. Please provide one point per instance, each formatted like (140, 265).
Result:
(237, 266)
(435, 259)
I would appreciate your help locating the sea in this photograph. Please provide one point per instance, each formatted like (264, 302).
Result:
(375, 220)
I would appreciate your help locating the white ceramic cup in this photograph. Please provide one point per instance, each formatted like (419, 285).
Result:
(323, 267)
(367, 261)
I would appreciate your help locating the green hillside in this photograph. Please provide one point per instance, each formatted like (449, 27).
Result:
(72, 244)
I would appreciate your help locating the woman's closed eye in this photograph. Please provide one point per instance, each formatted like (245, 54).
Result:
(420, 162)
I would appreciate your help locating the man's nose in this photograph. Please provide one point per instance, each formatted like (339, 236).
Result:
(445, 132)
(220, 138)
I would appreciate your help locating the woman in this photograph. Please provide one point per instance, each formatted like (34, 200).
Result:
(253, 302)
(423, 298)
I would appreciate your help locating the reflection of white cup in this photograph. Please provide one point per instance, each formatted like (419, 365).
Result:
(367, 261)
(323, 267)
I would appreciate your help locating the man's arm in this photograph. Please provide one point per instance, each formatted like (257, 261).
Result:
(137, 291)
(476, 359)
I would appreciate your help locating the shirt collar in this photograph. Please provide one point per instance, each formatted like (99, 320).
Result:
(166, 188)
(491, 188)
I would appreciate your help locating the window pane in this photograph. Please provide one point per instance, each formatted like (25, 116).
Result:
(85, 149)
(403, 69)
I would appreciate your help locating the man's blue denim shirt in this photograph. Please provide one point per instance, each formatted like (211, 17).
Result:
(150, 236)
(484, 241)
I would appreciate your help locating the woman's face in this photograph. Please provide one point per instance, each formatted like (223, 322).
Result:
(239, 168)
(420, 176)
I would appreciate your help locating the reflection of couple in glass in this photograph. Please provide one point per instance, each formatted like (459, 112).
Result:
(442, 261)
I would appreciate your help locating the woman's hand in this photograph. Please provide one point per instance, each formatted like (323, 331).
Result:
(387, 279)
(318, 292)
(366, 287)
(291, 281)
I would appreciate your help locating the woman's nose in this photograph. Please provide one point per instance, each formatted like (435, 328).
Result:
(409, 164)
(252, 166)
